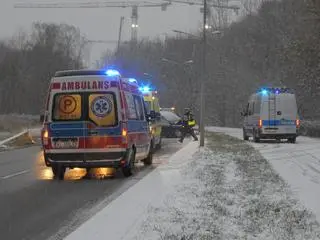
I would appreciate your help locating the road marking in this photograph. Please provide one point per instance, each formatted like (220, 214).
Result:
(15, 174)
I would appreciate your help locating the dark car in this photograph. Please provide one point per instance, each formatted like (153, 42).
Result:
(170, 124)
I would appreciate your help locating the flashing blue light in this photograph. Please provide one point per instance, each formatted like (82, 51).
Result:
(277, 91)
(112, 73)
(264, 92)
(132, 80)
(144, 89)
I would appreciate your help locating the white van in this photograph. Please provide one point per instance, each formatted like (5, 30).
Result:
(271, 114)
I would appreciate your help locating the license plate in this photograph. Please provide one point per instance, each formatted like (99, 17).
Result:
(271, 130)
(65, 143)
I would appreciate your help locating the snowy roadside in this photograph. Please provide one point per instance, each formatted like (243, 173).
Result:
(228, 191)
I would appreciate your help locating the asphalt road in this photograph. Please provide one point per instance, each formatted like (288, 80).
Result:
(35, 207)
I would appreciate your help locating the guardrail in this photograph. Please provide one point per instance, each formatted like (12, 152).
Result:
(21, 139)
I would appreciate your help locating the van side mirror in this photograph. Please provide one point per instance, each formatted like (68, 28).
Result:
(152, 114)
(41, 118)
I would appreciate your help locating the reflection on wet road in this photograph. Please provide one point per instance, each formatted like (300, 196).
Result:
(45, 173)
(35, 207)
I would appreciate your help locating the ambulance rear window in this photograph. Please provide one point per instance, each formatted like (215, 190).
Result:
(103, 109)
(67, 107)
(97, 107)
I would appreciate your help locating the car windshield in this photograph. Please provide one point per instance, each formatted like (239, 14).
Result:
(170, 116)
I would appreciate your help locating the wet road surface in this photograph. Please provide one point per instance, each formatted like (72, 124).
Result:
(35, 207)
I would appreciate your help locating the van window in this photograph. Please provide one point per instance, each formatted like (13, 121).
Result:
(67, 107)
(131, 107)
(102, 109)
(139, 107)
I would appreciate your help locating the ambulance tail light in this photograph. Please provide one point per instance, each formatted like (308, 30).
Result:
(45, 135)
(124, 133)
(260, 123)
(298, 123)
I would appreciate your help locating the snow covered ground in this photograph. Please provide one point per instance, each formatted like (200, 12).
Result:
(225, 191)
(298, 164)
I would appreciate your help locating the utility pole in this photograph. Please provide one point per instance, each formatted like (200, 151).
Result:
(120, 33)
(204, 74)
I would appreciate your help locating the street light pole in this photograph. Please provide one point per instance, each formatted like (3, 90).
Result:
(204, 75)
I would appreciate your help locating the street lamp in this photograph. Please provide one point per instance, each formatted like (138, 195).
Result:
(204, 72)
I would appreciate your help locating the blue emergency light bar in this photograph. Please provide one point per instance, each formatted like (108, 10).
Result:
(112, 73)
(132, 80)
(275, 90)
(145, 89)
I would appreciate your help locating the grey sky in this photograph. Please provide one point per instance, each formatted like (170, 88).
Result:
(102, 24)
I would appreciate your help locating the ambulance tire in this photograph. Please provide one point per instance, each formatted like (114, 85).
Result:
(127, 170)
(148, 161)
(58, 171)
(256, 138)
(245, 136)
(46, 161)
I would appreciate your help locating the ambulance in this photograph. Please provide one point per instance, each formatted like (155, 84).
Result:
(95, 118)
(151, 100)
(271, 113)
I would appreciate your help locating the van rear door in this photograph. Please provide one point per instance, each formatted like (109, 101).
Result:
(68, 121)
(86, 122)
(279, 112)
(286, 112)
(102, 130)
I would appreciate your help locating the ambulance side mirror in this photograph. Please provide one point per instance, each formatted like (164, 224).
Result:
(152, 115)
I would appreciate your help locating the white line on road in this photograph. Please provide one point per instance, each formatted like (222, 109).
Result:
(15, 174)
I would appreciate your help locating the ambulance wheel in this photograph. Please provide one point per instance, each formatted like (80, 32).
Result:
(58, 172)
(256, 138)
(245, 136)
(46, 161)
(292, 140)
(127, 170)
(149, 159)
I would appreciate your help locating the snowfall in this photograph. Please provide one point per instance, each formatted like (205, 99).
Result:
(231, 189)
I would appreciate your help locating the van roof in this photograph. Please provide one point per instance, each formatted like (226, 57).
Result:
(81, 72)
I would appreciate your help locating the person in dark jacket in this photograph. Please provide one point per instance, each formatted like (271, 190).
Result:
(187, 124)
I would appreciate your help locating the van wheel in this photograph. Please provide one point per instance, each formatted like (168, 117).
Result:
(127, 170)
(245, 136)
(149, 159)
(58, 172)
(292, 140)
(256, 139)
(46, 161)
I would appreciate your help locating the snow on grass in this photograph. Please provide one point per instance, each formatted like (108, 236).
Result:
(229, 192)
(14, 123)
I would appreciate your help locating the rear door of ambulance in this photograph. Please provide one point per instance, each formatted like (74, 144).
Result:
(87, 116)
(67, 119)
